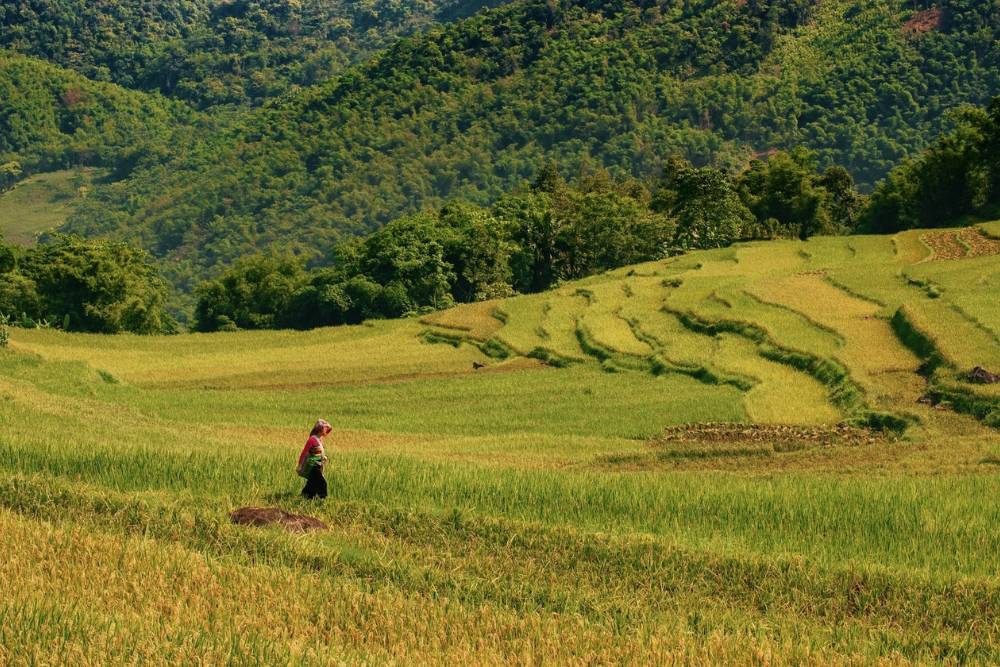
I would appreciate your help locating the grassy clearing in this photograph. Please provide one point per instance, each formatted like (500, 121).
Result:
(41, 203)
(514, 511)
(321, 357)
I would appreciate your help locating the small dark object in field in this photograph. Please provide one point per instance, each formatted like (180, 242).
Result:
(982, 376)
(476, 365)
(275, 516)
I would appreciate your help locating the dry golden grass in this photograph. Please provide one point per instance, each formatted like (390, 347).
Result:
(871, 351)
(518, 513)
(477, 320)
(781, 394)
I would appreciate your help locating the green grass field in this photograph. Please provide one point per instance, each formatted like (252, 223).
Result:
(41, 203)
(528, 511)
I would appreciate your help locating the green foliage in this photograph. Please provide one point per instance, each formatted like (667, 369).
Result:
(958, 175)
(249, 294)
(708, 209)
(784, 196)
(469, 110)
(409, 252)
(210, 53)
(462, 253)
(8, 257)
(790, 198)
(51, 118)
(564, 233)
(479, 250)
(4, 330)
(96, 286)
(9, 173)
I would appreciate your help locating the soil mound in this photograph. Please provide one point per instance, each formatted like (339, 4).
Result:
(275, 516)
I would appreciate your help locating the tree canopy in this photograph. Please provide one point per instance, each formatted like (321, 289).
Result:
(81, 285)
(471, 109)
(958, 175)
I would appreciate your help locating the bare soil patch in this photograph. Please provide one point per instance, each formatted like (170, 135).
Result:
(979, 244)
(772, 434)
(943, 245)
(968, 242)
(924, 21)
(275, 516)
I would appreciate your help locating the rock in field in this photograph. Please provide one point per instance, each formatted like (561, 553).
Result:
(983, 376)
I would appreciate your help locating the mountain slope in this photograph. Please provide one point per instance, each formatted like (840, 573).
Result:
(472, 109)
(53, 118)
(210, 52)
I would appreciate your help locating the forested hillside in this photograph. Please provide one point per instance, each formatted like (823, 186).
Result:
(467, 110)
(472, 109)
(210, 52)
(52, 118)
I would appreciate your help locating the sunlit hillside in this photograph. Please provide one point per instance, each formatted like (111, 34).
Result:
(764, 454)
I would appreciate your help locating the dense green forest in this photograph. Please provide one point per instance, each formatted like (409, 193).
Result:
(210, 52)
(465, 112)
(52, 118)
(81, 285)
(469, 110)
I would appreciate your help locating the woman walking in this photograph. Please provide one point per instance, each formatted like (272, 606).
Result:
(313, 459)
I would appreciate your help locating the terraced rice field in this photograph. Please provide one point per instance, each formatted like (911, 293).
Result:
(668, 463)
(830, 299)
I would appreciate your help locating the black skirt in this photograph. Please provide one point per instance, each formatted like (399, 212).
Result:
(315, 484)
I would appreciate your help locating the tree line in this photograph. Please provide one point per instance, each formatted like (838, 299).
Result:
(530, 240)
(527, 241)
(958, 176)
(83, 285)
